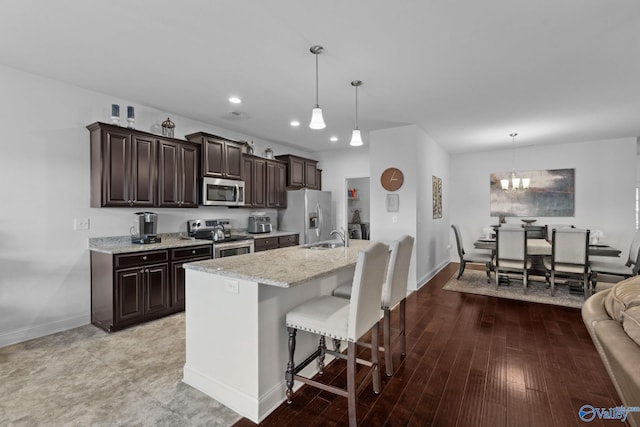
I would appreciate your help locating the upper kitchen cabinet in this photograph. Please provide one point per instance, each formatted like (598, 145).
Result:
(178, 174)
(221, 157)
(276, 193)
(123, 167)
(301, 172)
(254, 177)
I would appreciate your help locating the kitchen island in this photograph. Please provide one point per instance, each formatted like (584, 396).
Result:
(236, 337)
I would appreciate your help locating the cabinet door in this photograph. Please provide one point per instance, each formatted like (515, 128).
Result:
(311, 175)
(248, 178)
(116, 176)
(143, 170)
(296, 172)
(177, 292)
(272, 199)
(213, 159)
(280, 187)
(168, 174)
(156, 297)
(190, 174)
(260, 183)
(233, 160)
(129, 298)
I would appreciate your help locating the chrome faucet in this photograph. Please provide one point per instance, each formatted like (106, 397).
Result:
(343, 236)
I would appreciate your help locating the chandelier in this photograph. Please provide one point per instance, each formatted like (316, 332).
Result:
(513, 182)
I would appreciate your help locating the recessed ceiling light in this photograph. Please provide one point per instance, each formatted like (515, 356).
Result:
(294, 123)
(333, 139)
(235, 100)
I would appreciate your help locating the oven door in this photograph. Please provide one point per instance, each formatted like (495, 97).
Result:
(222, 192)
(242, 247)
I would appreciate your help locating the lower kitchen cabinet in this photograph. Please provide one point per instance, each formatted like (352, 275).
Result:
(179, 257)
(132, 288)
(272, 242)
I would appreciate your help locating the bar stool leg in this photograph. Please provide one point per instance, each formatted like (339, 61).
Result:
(403, 334)
(322, 348)
(374, 358)
(386, 329)
(291, 365)
(351, 382)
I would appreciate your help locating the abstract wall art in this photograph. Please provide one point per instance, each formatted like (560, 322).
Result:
(551, 193)
(437, 196)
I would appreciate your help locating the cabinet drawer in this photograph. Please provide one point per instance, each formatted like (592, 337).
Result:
(290, 240)
(265, 244)
(191, 252)
(141, 258)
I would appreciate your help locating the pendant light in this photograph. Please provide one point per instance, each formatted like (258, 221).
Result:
(356, 138)
(513, 182)
(317, 122)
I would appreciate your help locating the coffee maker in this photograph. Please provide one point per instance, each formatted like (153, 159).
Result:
(144, 229)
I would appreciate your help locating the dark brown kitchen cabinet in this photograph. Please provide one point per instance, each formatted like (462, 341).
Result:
(123, 167)
(276, 195)
(128, 288)
(319, 178)
(131, 288)
(178, 174)
(301, 172)
(253, 175)
(272, 242)
(221, 157)
(178, 258)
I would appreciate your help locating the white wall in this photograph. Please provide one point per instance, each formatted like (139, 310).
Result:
(605, 178)
(44, 171)
(432, 244)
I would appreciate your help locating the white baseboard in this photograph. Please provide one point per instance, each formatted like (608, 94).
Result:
(37, 331)
(430, 275)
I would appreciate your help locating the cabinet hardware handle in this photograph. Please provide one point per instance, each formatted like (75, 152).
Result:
(142, 271)
(193, 251)
(144, 257)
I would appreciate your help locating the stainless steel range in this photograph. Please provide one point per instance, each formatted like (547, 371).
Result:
(225, 243)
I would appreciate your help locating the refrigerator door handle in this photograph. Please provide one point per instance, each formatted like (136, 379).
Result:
(319, 220)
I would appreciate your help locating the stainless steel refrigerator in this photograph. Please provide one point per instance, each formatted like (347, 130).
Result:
(308, 212)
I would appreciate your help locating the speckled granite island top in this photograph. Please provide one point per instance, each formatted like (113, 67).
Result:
(285, 267)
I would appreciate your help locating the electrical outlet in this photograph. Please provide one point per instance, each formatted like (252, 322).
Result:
(394, 219)
(81, 224)
(232, 286)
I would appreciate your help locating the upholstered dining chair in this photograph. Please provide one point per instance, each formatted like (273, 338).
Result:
(394, 292)
(472, 257)
(345, 320)
(548, 230)
(511, 254)
(626, 270)
(569, 257)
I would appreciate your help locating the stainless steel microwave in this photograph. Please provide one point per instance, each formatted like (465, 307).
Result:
(222, 192)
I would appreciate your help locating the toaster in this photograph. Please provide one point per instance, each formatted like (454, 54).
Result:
(259, 224)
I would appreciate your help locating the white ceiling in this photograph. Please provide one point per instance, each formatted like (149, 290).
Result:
(468, 72)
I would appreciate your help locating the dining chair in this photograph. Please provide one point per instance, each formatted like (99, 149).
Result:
(394, 292)
(569, 257)
(511, 254)
(345, 320)
(626, 270)
(472, 257)
(550, 227)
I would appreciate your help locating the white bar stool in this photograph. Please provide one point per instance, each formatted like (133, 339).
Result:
(346, 320)
(394, 291)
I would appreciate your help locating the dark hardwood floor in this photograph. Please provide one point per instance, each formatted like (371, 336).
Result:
(471, 361)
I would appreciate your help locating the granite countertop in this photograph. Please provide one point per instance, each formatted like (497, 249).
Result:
(122, 244)
(284, 267)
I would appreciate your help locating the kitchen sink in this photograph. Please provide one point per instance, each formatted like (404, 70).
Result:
(325, 245)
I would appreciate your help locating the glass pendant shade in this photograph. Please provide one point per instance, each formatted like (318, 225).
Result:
(525, 183)
(317, 121)
(505, 184)
(356, 138)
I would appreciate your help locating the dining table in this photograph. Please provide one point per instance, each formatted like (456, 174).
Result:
(543, 247)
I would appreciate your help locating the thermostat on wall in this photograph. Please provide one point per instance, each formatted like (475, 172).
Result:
(393, 202)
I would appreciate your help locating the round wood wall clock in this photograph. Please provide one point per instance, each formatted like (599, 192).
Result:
(392, 179)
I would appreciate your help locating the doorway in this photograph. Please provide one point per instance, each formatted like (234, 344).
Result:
(357, 207)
